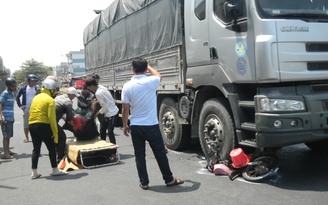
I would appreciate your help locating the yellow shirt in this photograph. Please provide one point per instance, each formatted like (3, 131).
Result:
(43, 110)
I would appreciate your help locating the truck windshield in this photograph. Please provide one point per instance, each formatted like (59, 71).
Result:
(311, 10)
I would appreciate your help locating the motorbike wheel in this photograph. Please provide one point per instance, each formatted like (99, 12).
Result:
(260, 168)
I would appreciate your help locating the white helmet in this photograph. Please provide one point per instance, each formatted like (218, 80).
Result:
(49, 84)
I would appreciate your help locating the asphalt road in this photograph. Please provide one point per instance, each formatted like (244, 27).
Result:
(301, 179)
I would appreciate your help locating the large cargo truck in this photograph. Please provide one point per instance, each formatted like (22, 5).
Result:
(234, 72)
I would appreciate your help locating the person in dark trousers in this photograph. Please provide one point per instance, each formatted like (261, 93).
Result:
(64, 105)
(107, 107)
(139, 97)
(7, 116)
(27, 93)
(43, 127)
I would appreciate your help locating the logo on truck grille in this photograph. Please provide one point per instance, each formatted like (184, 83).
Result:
(294, 29)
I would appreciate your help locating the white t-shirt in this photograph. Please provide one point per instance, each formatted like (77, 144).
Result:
(30, 93)
(106, 101)
(140, 92)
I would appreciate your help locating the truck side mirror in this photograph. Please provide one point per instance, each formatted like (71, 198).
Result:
(233, 9)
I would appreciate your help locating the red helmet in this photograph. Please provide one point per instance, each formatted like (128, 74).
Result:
(79, 122)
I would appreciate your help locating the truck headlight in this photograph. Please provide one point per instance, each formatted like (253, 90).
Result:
(281, 105)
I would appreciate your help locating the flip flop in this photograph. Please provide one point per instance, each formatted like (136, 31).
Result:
(12, 153)
(37, 176)
(10, 157)
(175, 182)
(25, 141)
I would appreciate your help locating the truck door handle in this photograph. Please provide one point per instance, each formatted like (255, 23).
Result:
(213, 53)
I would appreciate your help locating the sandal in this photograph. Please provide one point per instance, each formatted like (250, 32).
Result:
(37, 176)
(60, 173)
(8, 157)
(175, 182)
(25, 141)
(12, 153)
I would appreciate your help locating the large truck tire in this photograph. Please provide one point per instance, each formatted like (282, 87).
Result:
(216, 129)
(318, 146)
(172, 131)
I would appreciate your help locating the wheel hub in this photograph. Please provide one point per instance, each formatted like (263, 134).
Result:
(213, 131)
(168, 125)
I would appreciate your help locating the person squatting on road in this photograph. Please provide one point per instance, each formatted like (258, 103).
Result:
(139, 96)
(108, 108)
(7, 102)
(27, 92)
(43, 127)
(64, 105)
(84, 102)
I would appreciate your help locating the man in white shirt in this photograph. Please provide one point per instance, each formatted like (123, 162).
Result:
(139, 96)
(108, 108)
(27, 92)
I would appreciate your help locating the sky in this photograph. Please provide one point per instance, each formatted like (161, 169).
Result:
(45, 30)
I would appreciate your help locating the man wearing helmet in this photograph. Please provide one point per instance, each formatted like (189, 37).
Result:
(43, 127)
(7, 116)
(27, 92)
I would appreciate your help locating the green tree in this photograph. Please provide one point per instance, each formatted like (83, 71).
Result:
(31, 67)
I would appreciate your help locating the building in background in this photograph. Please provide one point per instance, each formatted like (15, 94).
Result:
(74, 69)
(60, 71)
(76, 64)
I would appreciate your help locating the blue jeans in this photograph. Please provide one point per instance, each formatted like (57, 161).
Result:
(152, 134)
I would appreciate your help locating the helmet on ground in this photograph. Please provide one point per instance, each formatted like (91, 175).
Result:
(32, 77)
(79, 121)
(49, 84)
(11, 82)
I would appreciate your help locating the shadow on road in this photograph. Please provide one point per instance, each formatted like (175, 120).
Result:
(187, 186)
(301, 169)
(70, 176)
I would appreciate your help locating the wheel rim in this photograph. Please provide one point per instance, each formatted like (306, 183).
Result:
(213, 132)
(168, 122)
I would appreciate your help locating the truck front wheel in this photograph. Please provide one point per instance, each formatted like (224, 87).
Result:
(171, 130)
(216, 129)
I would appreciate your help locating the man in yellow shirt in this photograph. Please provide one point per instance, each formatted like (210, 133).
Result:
(43, 126)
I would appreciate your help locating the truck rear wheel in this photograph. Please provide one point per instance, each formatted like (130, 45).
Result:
(171, 130)
(216, 129)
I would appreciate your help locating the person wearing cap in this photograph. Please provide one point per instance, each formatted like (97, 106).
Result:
(64, 105)
(107, 107)
(24, 98)
(43, 127)
(7, 102)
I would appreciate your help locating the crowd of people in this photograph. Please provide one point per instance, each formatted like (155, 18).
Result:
(44, 107)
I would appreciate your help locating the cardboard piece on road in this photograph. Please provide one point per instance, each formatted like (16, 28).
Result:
(91, 153)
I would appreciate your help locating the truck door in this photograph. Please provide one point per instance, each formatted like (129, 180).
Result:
(229, 43)
(196, 32)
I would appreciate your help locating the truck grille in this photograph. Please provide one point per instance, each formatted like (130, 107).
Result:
(312, 66)
(319, 88)
(316, 47)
